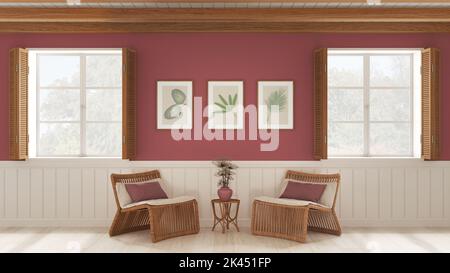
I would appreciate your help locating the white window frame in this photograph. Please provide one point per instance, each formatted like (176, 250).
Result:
(34, 87)
(415, 96)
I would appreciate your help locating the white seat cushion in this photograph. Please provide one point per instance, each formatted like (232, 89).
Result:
(158, 202)
(287, 202)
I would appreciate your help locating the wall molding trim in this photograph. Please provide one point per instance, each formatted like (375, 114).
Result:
(378, 192)
(113, 162)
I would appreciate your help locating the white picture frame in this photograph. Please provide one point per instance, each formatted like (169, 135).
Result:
(174, 108)
(231, 95)
(276, 93)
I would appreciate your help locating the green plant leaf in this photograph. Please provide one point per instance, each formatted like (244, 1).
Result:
(277, 98)
(178, 96)
(235, 99)
(230, 100)
(221, 106)
(223, 99)
(173, 112)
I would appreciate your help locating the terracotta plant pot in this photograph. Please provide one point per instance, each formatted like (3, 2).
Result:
(225, 193)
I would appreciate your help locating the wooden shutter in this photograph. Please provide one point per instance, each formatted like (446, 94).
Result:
(18, 104)
(320, 103)
(430, 104)
(128, 104)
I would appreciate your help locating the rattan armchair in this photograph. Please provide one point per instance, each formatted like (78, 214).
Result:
(291, 219)
(166, 218)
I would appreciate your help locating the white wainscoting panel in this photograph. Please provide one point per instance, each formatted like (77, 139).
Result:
(77, 192)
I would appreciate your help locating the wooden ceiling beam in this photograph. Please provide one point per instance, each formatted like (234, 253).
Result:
(103, 15)
(87, 20)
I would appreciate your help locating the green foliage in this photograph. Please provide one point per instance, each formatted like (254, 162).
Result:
(226, 105)
(221, 106)
(225, 171)
(234, 99)
(178, 96)
(223, 100)
(277, 99)
(175, 111)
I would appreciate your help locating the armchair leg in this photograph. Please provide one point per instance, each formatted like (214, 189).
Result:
(115, 226)
(129, 221)
(324, 221)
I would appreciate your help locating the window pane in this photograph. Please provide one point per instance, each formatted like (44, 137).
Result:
(346, 138)
(390, 71)
(59, 139)
(59, 105)
(104, 139)
(346, 105)
(104, 71)
(59, 71)
(104, 105)
(390, 139)
(390, 105)
(345, 71)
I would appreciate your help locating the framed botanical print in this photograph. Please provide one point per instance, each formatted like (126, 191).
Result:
(174, 104)
(225, 104)
(275, 105)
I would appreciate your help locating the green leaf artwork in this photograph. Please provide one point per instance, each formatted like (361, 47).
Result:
(226, 105)
(277, 99)
(175, 111)
(178, 96)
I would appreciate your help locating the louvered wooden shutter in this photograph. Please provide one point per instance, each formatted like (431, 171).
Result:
(320, 103)
(430, 104)
(128, 104)
(18, 104)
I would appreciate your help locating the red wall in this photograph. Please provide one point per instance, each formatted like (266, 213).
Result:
(217, 56)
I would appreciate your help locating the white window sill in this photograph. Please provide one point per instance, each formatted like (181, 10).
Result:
(380, 162)
(370, 160)
(128, 166)
(76, 162)
(373, 158)
(73, 157)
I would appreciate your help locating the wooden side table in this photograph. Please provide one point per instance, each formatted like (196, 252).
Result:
(225, 218)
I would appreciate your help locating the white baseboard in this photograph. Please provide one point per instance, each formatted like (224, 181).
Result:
(55, 222)
(370, 223)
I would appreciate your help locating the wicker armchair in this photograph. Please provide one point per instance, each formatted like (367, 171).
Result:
(166, 218)
(291, 219)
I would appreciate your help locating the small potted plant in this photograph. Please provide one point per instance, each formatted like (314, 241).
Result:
(225, 172)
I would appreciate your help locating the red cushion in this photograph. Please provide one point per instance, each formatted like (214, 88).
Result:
(303, 191)
(145, 191)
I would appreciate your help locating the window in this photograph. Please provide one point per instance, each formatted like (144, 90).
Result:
(374, 103)
(75, 103)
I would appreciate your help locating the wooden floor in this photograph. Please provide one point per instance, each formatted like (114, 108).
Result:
(97, 240)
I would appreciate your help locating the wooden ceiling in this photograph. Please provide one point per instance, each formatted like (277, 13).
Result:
(226, 3)
(90, 18)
